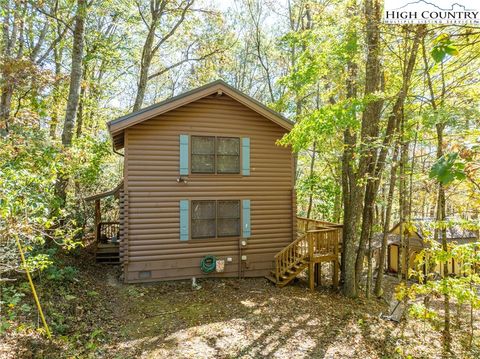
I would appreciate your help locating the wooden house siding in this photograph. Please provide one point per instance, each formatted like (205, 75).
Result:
(152, 193)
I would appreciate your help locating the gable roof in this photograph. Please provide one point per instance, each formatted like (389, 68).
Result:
(117, 126)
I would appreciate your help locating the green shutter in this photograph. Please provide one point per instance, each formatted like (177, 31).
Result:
(183, 155)
(246, 156)
(184, 219)
(246, 231)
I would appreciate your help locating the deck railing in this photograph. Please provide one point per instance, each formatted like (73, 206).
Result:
(324, 242)
(306, 224)
(108, 232)
(317, 241)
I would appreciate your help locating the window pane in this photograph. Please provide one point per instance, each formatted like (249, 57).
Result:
(203, 209)
(228, 223)
(228, 209)
(228, 155)
(202, 145)
(203, 154)
(203, 219)
(228, 227)
(228, 164)
(203, 228)
(203, 163)
(228, 146)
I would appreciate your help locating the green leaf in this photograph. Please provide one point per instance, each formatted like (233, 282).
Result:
(438, 54)
(443, 47)
(451, 50)
(448, 168)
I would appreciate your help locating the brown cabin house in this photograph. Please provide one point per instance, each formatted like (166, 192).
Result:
(203, 175)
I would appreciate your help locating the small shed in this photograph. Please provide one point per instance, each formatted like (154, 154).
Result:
(417, 233)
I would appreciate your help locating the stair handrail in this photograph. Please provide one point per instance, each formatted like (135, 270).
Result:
(283, 259)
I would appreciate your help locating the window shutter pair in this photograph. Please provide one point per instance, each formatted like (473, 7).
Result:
(185, 216)
(185, 170)
(184, 155)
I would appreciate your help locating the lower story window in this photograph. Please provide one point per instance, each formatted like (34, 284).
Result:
(212, 219)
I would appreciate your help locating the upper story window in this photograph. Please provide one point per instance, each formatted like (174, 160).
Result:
(215, 154)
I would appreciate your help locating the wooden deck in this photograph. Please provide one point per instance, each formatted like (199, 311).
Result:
(317, 242)
(107, 238)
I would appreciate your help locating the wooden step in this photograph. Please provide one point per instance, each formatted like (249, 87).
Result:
(271, 278)
(108, 260)
(107, 253)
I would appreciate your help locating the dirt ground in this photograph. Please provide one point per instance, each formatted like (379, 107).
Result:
(250, 318)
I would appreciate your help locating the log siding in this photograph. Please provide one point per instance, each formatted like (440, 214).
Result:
(152, 192)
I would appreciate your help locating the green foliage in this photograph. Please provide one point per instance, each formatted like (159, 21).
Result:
(448, 168)
(65, 274)
(461, 288)
(29, 166)
(324, 190)
(443, 46)
(40, 261)
(323, 123)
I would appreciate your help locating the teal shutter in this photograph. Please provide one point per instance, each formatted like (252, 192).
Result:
(184, 219)
(246, 231)
(246, 156)
(183, 155)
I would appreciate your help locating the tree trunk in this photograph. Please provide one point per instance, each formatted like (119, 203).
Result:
(81, 106)
(441, 216)
(351, 216)
(75, 74)
(311, 176)
(73, 93)
(351, 194)
(386, 226)
(11, 20)
(372, 164)
(157, 10)
(145, 65)
(370, 127)
(402, 205)
(57, 55)
(6, 103)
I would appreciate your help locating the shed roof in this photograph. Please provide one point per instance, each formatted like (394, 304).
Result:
(423, 228)
(116, 127)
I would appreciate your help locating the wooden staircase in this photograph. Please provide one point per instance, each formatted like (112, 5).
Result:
(317, 242)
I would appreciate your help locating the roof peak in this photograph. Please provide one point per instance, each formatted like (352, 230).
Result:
(117, 126)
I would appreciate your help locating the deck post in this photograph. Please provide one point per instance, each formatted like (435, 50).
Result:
(319, 273)
(311, 263)
(98, 216)
(311, 275)
(335, 273)
(336, 264)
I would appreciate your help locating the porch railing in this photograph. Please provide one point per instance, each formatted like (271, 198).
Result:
(306, 224)
(108, 232)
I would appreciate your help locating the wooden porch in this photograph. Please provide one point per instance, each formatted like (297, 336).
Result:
(107, 243)
(317, 242)
(107, 233)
